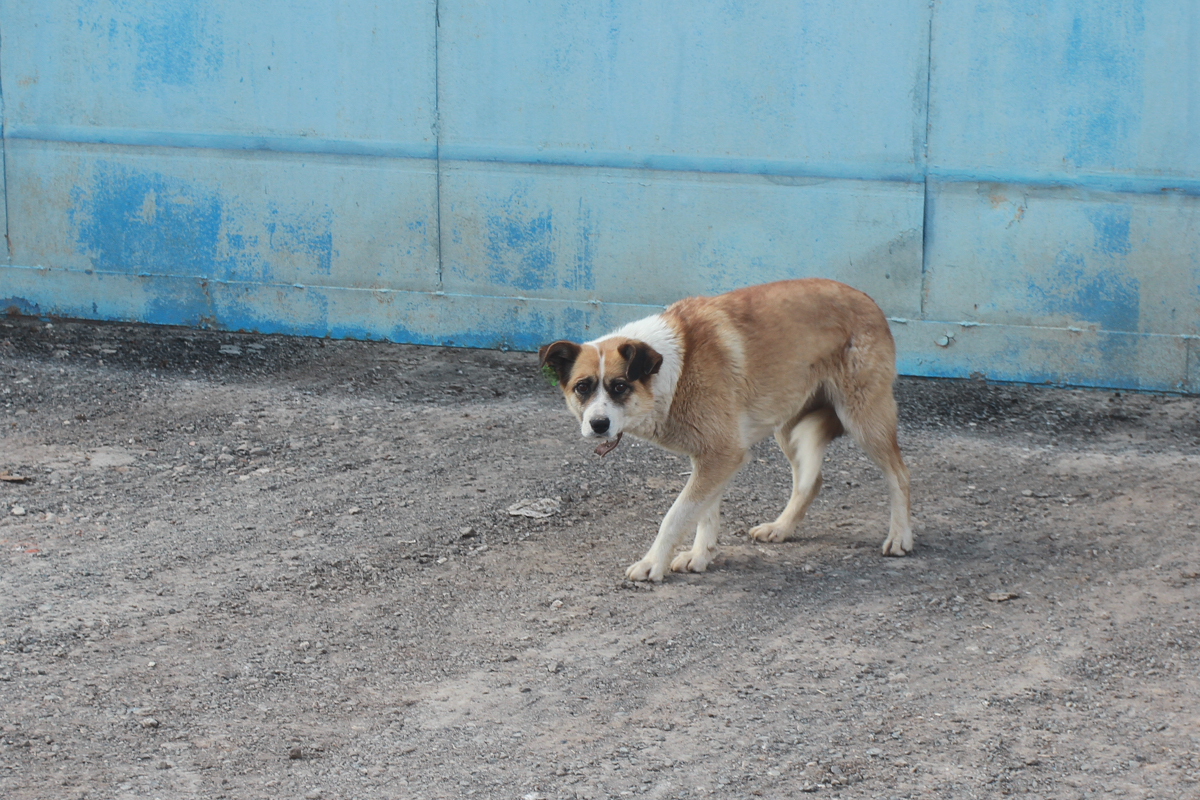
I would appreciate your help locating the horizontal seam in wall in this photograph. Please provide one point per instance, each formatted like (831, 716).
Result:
(593, 159)
(257, 285)
(304, 145)
(1009, 326)
(1116, 184)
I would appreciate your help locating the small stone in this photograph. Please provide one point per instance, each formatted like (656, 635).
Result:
(537, 509)
(554, 667)
(1001, 597)
(17, 511)
(313, 794)
(149, 722)
(874, 751)
(164, 765)
(466, 533)
(295, 754)
(897, 677)
(557, 604)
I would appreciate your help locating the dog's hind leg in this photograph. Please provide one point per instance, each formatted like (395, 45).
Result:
(873, 426)
(700, 556)
(803, 442)
(698, 499)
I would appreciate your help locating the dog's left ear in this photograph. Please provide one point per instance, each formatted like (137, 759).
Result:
(559, 356)
(641, 360)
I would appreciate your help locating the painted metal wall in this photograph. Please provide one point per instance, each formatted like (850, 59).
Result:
(1015, 183)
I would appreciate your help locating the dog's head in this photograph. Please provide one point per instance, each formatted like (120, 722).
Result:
(606, 384)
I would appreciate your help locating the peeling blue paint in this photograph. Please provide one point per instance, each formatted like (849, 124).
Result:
(144, 222)
(1112, 228)
(172, 43)
(19, 305)
(136, 222)
(581, 277)
(519, 247)
(1102, 67)
(1108, 298)
(178, 303)
(289, 238)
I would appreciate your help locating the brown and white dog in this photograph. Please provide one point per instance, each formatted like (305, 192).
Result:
(710, 376)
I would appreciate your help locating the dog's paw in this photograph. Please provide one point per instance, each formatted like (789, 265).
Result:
(898, 544)
(690, 561)
(769, 532)
(645, 570)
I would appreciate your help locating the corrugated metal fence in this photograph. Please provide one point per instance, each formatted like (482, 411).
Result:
(1016, 183)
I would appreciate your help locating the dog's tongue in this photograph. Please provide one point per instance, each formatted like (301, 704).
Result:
(604, 448)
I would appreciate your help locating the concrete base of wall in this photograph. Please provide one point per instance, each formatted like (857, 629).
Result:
(934, 348)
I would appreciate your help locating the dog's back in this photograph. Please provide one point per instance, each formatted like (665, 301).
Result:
(773, 351)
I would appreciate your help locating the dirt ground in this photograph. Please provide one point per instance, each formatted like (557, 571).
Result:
(246, 566)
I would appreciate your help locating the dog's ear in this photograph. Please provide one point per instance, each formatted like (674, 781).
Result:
(560, 357)
(641, 360)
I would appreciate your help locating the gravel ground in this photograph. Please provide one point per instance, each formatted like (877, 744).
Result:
(246, 566)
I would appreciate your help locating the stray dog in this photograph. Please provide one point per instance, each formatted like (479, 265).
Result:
(709, 377)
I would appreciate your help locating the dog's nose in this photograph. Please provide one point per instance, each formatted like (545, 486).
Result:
(600, 424)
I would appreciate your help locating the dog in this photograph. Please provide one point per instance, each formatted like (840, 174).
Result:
(807, 360)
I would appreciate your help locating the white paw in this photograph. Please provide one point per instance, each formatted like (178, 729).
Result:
(769, 532)
(898, 544)
(690, 561)
(645, 570)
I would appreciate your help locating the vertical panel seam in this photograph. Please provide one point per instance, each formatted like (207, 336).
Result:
(437, 138)
(1191, 349)
(925, 162)
(4, 168)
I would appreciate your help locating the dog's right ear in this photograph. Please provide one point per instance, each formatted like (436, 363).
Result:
(560, 358)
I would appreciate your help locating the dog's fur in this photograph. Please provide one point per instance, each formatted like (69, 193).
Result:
(710, 376)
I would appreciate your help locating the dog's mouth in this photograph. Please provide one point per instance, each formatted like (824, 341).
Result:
(604, 448)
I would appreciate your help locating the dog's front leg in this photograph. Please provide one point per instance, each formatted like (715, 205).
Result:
(700, 555)
(699, 497)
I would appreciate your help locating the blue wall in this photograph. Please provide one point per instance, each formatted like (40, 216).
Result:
(1017, 183)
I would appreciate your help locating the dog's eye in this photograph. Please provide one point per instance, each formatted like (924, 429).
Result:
(583, 388)
(620, 388)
